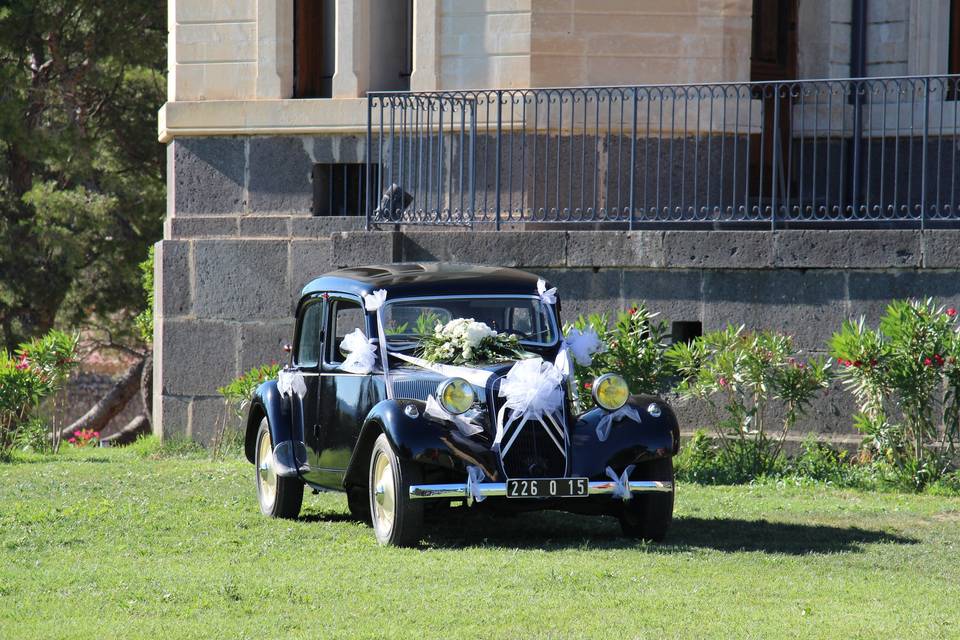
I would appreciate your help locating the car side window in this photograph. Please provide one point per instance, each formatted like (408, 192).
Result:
(345, 316)
(308, 347)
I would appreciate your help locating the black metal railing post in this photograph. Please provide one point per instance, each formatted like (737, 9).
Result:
(497, 168)
(633, 156)
(923, 159)
(369, 157)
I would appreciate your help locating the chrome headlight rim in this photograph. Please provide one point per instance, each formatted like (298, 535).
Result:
(441, 389)
(604, 379)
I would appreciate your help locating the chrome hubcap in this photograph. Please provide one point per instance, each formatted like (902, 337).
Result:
(266, 475)
(384, 498)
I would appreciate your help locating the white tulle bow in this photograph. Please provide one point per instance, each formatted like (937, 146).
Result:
(532, 390)
(361, 353)
(475, 476)
(606, 422)
(373, 301)
(435, 409)
(547, 296)
(290, 383)
(621, 487)
(581, 346)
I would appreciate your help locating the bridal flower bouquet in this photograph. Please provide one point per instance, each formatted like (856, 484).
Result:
(465, 341)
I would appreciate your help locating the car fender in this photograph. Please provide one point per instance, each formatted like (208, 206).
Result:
(629, 442)
(285, 420)
(420, 439)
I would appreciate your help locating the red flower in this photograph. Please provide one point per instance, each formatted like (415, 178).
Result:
(96, 434)
(951, 312)
(24, 362)
(78, 433)
(587, 385)
(857, 364)
(722, 381)
(839, 360)
(939, 359)
(927, 362)
(72, 440)
(873, 362)
(633, 310)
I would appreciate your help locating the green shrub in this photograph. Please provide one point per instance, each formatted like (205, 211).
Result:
(39, 370)
(819, 461)
(743, 372)
(237, 395)
(144, 320)
(905, 376)
(633, 347)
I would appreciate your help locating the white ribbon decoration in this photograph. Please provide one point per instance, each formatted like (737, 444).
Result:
(475, 476)
(373, 302)
(621, 487)
(547, 296)
(477, 377)
(532, 391)
(290, 383)
(361, 353)
(606, 422)
(436, 410)
(581, 345)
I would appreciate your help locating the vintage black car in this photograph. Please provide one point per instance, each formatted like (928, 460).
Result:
(420, 437)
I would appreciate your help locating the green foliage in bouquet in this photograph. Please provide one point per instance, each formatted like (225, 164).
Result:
(743, 372)
(465, 341)
(905, 376)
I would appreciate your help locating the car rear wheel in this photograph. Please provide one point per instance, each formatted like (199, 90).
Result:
(279, 497)
(397, 520)
(648, 515)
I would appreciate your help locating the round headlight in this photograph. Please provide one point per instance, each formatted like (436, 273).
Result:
(456, 395)
(610, 391)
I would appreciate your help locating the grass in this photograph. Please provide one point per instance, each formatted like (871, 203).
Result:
(148, 543)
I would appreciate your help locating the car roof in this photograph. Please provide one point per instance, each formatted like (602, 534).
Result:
(425, 279)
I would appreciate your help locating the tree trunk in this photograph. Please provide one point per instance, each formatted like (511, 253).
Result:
(134, 429)
(146, 388)
(111, 404)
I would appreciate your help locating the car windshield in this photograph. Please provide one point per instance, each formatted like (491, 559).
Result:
(527, 318)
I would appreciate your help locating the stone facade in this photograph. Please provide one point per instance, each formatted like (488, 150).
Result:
(240, 240)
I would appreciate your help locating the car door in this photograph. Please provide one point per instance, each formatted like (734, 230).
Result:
(345, 398)
(308, 354)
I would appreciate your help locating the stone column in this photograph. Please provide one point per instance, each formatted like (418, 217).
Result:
(351, 78)
(426, 32)
(274, 49)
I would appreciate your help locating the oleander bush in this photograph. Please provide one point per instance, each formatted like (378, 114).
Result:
(36, 371)
(740, 373)
(905, 376)
(634, 344)
(237, 395)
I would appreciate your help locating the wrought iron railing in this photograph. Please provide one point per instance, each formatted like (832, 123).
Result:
(873, 150)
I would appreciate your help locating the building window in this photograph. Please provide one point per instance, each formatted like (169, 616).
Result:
(686, 331)
(314, 52)
(391, 45)
(773, 54)
(340, 188)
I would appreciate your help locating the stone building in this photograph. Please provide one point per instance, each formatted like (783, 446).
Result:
(266, 128)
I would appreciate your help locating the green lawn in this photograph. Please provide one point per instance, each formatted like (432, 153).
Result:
(106, 544)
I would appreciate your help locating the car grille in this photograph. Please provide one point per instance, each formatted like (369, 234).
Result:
(416, 388)
(533, 454)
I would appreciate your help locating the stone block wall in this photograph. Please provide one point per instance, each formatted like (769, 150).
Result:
(225, 298)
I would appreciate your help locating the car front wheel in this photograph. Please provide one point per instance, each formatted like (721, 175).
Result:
(648, 515)
(279, 497)
(397, 520)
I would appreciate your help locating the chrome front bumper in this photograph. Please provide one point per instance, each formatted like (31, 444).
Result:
(499, 489)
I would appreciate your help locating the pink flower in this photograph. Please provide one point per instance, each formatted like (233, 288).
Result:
(722, 381)
(587, 385)
(939, 359)
(78, 433)
(72, 441)
(951, 312)
(96, 434)
(24, 362)
(927, 362)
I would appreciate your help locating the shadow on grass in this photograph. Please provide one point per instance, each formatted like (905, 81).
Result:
(558, 531)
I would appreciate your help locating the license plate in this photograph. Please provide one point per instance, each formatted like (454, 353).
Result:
(547, 488)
